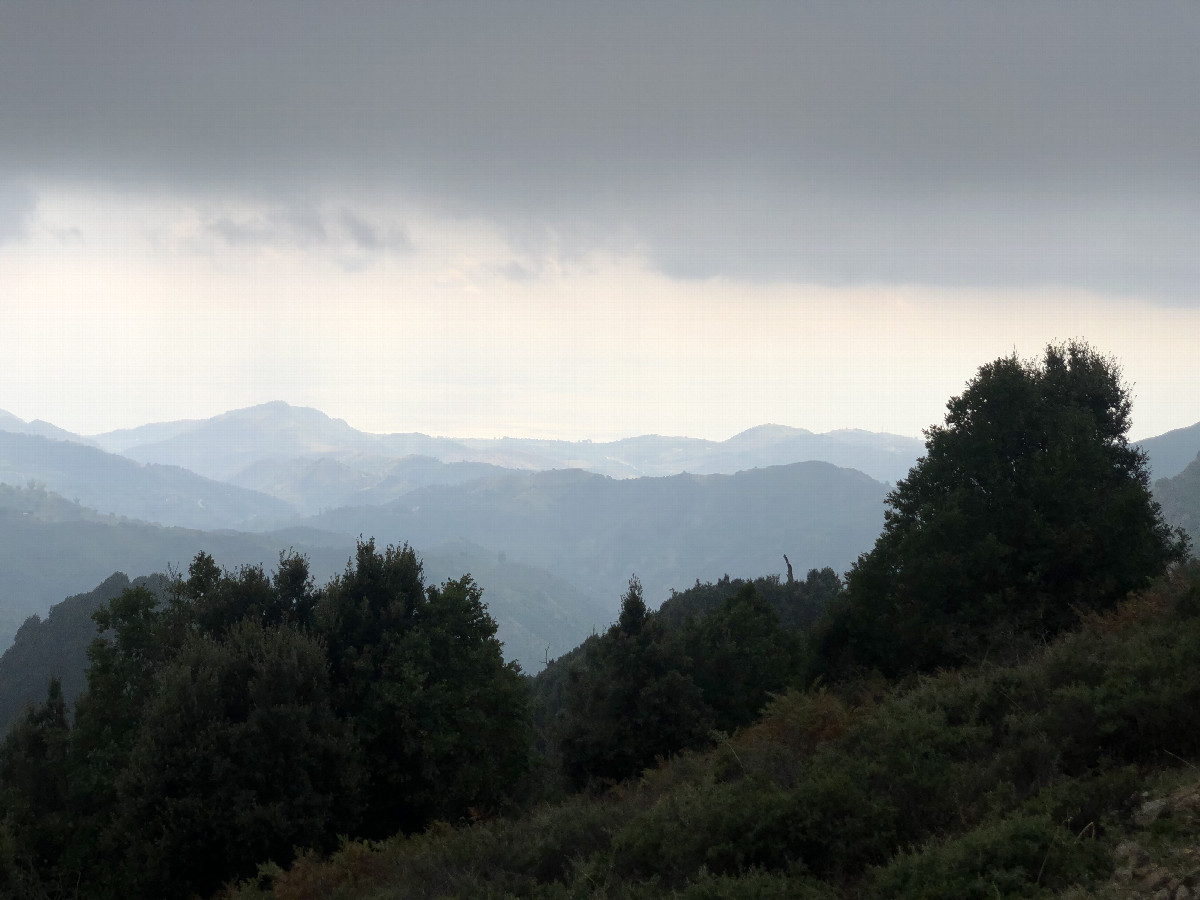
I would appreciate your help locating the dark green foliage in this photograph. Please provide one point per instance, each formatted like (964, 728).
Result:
(1028, 508)
(441, 719)
(657, 683)
(248, 715)
(56, 647)
(33, 782)
(239, 758)
(630, 701)
(1022, 856)
(798, 604)
(1010, 782)
(211, 602)
(740, 655)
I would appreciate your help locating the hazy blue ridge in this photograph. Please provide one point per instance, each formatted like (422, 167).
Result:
(1180, 500)
(51, 548)
(166, 495)
(232, 445)
(1170, 453)
(594, 531)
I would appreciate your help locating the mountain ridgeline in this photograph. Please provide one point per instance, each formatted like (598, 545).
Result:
(251, 483)
(229, 444)
(997, 699)
(593, 531)
(568, 539)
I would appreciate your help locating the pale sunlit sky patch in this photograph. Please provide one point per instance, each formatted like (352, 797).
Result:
(590, 220)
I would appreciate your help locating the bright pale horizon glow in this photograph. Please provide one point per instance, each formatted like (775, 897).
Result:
(120, 308)
(591, 220)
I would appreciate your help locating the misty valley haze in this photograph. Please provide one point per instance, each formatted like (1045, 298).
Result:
(636, 636)
(551, 542)
(551, 529)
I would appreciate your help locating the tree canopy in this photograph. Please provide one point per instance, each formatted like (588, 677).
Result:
(1029, 507)
(242, 716)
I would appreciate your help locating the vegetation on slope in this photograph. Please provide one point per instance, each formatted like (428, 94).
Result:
(246, 716)
(1016, 781)
(57, 647)
(977, 715)
(1029, 507)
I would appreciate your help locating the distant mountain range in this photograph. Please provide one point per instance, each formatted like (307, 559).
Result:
(312, 462)
(552, 550)
(225, 446)
(1170, 453)
(51, 548)
(551, 529)
(595, 531)
(10, 423)
(167, 495)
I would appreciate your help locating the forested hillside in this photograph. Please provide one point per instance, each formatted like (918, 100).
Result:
(1023, 765)
(51, 548)
(1070, 775)
(57, 647)
(998, 700)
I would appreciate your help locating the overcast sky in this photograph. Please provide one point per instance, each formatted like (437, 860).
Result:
(591, 219)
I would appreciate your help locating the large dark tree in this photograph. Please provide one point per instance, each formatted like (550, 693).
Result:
(1029, 507)
(442, 720)
(630, 700)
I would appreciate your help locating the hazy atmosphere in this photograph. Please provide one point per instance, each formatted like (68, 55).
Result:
(526, 450)
(590, 220)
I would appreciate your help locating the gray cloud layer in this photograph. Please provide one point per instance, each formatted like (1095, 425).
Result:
(951, 142)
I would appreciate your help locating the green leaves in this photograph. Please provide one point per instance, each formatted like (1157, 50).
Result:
(249, 715)
(650, 687)
(239, 759)
(442, 721)
(1028, 508)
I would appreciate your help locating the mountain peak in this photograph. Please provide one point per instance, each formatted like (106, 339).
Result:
(769, 433)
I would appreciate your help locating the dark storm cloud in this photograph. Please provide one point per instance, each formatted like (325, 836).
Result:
(948, 142)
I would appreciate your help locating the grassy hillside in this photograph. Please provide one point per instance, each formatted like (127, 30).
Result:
(1070, 775)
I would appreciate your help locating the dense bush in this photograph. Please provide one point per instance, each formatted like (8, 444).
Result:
(654, 685)
(994, 782)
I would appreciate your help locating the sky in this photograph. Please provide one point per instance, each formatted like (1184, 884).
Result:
(591, 220)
